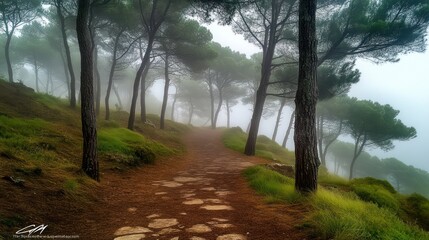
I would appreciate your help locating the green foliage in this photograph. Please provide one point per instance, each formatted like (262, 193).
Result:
(341, 216)
(26, 139)
(373, 181)
(377, 195)
(417, 208)
(274, 186)
(235, 139)
(129, 147)
(71, 185)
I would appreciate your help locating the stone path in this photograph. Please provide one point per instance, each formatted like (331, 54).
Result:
(198, 194)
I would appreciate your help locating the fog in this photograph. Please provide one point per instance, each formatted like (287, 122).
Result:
(403, 84)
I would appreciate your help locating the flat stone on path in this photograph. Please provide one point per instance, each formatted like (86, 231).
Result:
(223, 225)
(131, 230)
(163, 223)
(193, 202)
(208, 189)
(186, 179)
(220, 219)
(231, 237)
(171, 184)
(223, 193)
(217, 207)
(168, 231)
(131, 237)
(160, 193)
(153, 216)
(199, 228)
(197, 238)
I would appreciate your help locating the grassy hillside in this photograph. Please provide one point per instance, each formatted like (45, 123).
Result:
(235, 139)
(365, 208)
(40, 154)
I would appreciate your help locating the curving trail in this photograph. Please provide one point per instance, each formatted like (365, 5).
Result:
(201, 195)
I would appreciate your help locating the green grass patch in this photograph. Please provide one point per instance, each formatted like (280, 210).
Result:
(337, 214)
(235, 139)
(274, 186)
(417, 209)
(26, 139)
(129, 147)
(71, 185)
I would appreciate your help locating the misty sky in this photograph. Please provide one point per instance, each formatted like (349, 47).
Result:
(404, 85)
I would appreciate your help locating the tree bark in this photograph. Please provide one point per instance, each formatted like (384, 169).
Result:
(191, 112)
(289, 128)
(219, 106)
(173, 105)
(306, 162)
(279, 116)
(66, 74)
(36, 72)
(358, 150)
(97, 80)
(115, 90)
(250, 147)
(210, 84)
(228, 114)
(137, 80)
(111, 73)
(143, 93)
(165, 98)
(68, 55)
(7, 54)
(89, 127)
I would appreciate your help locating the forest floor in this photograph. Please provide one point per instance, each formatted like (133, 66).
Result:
(201, 195)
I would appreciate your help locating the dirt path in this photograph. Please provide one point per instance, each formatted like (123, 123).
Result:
(199, 196)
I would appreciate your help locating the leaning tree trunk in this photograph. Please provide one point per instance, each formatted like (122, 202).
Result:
(115, 90)
(111, 73)
(137, 79)
(89, 126)
(261, 93)
(97, 80)
(173, 105)
(36, 73)
(210, 84)
(219, 106)
(279, 116)
(7, 54)
(143, 117)
(72, 94)
(228, 114)
(66, 74)
(191, 112)
(165, 98)
(306, 162)
(289, 128)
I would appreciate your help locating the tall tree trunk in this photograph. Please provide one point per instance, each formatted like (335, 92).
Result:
(137, 80)
(358, 150)
(58, 4)
(210, 84)
(306, 161)
(89, 126)
(115, 90)
(36, 73)
(328, 144)
(66, 74)
(289, 128)
(165, 98)
(228, 114)
(191, 112)
(219, 106)
(97, 80)
(143, 93)
(173, 105)
(261, 93)
(7, 54)
(279, 116)
(111, 74)
(320, 136)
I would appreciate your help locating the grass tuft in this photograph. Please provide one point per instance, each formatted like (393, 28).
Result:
(235, 139)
